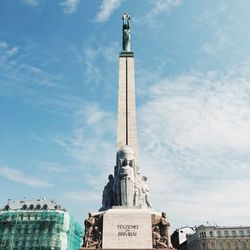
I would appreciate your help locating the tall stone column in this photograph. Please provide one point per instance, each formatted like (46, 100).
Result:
(126, 130)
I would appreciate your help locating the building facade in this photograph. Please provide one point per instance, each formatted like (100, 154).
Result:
(38, 224)
(219, 238)
(179, 237)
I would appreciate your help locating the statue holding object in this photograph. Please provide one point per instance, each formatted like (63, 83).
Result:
(126, 47)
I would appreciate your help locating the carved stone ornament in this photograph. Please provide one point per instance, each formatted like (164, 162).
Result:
(93, 232)
(161, 232)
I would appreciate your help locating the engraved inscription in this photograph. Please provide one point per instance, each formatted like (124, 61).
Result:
(127, 230)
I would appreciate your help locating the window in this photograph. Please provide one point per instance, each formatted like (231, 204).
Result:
(31, 206)
(212, 245)
(203, 246)
(211, 234)
(220, 245)
(234, 233)
(244, 245)
(203, 234)
(24, 206)
(45, 206)
(219, 233)
(241, 232)
(248, 232)
(7, 207)
(228, 245)
(236, 245)
(226, 233)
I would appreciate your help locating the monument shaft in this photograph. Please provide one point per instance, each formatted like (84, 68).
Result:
(126, 130)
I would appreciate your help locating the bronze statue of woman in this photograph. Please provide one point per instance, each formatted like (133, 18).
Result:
(126, 33)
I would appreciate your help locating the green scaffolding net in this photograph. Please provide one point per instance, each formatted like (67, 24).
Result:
(39, 230)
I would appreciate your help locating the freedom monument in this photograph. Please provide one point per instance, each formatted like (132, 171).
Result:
(126, 219)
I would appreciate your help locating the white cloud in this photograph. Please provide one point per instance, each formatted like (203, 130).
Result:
(33, 82)
(88, 144)
(92, 56)
(3, 45)
(70, 6)
(211, 109)
(106, 9)
(32, 2)
(164, 5)
(212, 17)
(159, 7)
(18, 176)
(52, 167)
(218, 43)
(195, 147)
(7, 52)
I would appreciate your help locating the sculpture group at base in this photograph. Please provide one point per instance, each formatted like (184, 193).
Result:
(93, 232)
(127, 187)
(94, 226)
(161, 233)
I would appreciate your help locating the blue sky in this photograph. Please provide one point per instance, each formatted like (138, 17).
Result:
(58, 103)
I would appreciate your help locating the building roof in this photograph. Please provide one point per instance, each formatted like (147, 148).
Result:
(41, 203)
(216, 227)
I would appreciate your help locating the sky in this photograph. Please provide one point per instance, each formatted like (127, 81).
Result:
(58, 103)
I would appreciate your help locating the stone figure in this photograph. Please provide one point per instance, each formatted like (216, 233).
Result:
(138, 189)
(127, 183)
(107, 195)
(129, 187)
(164, 230)
(144, 194)
(97, 238)
(117, 188)
(126, 33)
(89, 227)
(93, 234)
(157, 239)
(124, 179)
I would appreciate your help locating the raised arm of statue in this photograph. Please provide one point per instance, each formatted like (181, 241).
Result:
(126, 19)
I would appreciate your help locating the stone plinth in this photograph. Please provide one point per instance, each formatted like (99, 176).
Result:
(127, 228)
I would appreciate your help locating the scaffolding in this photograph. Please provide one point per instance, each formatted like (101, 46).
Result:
(39, 230)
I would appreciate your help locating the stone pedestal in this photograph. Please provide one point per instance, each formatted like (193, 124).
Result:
(127, 228)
